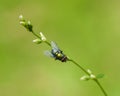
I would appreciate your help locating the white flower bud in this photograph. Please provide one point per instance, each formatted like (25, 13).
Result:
(85, 78)
(92, 76)
(29, 23)
(89, 71)
(21, 17)
(37, 41)
(43, 38)
(22, 23)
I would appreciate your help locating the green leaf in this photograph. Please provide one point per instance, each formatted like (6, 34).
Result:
(99, 76)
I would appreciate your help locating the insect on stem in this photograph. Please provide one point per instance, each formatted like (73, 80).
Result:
(57, 53)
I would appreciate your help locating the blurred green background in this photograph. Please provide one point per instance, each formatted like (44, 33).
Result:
(87, 30)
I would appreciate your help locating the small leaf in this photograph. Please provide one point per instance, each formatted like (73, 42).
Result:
(100, 76)
(92, 76)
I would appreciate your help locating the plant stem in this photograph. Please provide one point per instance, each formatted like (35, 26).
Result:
(78, 66)
(102, 89)
(48, 43)
(98, 83)
(35, 34)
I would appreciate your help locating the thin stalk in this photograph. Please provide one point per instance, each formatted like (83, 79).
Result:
(78, 66)
(48, 43)
(97, 82)
(102, 89)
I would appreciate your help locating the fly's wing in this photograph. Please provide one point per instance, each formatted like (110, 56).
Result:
(54, 45)
(55, 48)
(48, 53)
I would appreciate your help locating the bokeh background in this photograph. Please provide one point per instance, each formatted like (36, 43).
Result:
(87, 30)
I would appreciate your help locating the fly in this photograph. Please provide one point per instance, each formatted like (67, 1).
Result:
(56, 53)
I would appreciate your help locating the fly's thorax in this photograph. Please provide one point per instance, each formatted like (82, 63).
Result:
(58, 55)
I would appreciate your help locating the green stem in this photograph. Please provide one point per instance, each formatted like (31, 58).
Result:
(98, 83)
(78, 66)
(102, 89)
(48, 43)
(36, 34)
